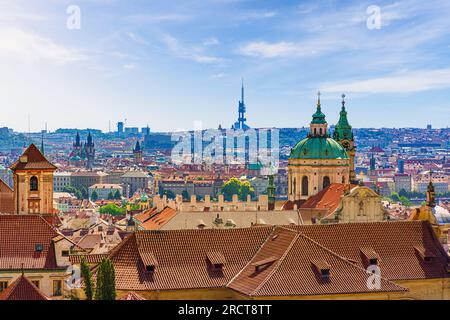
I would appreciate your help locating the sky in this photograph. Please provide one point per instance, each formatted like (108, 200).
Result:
(170, 64)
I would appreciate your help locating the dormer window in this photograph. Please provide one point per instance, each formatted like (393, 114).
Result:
(264, 263)
(33, 183)
(426, 255)
(370, 256)
(322, 267)
(149, 261)
(216, 260)
(38, 247)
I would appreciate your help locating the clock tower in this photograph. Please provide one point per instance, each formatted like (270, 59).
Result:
(344, 135)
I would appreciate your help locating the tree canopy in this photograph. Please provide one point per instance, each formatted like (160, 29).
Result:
(236, 186)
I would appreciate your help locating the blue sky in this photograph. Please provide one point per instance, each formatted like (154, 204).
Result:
(170, 63)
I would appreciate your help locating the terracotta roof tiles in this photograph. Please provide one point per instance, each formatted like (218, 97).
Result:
(34, 159)
(22, 289)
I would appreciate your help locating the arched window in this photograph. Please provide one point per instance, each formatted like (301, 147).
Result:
(320, 130)
(294, 187)
(34, 183)
(343, 179)
(326, 181)
(304, 186)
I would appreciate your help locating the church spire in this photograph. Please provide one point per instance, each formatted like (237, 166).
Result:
(343, 130)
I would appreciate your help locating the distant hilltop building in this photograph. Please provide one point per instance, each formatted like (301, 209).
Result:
(83, 153)
(240, 123)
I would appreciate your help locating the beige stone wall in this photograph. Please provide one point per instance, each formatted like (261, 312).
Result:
(361, 205)
(44, 277)
(316, 170)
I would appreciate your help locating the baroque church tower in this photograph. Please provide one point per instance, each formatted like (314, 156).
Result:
(33, 183)
(316, 161)
(344, 135)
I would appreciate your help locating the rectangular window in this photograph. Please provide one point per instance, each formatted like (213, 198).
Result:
(3, 285)
(65, 253)
(35, 282)
(57, 288)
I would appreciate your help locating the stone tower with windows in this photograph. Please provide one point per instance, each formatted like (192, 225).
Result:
(33, 183)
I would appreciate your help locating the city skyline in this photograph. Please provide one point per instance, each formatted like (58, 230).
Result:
(168, 65)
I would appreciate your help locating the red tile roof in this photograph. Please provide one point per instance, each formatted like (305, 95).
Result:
(34, 160)
(22, 289)
(393, 242)
(328, 198)
(159, 219)
(292, 267)
(182, 257)
(90, 258)
(265, 261)
(19, 237)
(6, 198)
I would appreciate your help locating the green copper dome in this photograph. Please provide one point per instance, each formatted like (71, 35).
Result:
(319, 147)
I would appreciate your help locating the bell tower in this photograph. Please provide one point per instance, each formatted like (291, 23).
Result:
(33, 183)
(344, 135)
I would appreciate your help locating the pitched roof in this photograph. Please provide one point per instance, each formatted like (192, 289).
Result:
(328, 198)
(258, 259)
(159, 219)
(90, 258)
(6, 198)
(22, 289)
(31, 159)
(392, 242)
(182, 257)
(20, 236)
(291, 265)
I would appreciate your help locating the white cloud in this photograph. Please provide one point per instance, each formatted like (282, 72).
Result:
(284, 49)
(192, 53)
(157, 18)
(211, 41)
(414, 81)
(19, 44)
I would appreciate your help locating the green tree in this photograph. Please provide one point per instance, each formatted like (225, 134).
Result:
(185, 195)
(168, 193)
(395, 197)
(236, 186)
(231, 187)
(117, 195)
(94, 196)
(405, 201)
(87, 276)
(246, 189)
(84, 193)
(112, 209)
(106, 281)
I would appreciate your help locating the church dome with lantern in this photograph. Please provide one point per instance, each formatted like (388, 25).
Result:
(316, 161)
